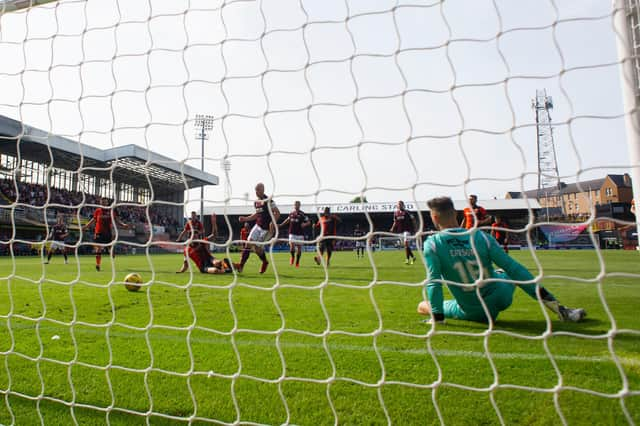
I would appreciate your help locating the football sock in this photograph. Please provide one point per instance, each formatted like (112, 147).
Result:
(245, 255)
(408, 252)
(65, 255)
(98, 259)
(262, 256)
(530, 289)
(49, 256)
(298, 257)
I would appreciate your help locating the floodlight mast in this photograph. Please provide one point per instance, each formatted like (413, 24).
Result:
(203, 124)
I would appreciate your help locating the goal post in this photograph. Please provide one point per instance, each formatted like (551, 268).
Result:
(626, 18)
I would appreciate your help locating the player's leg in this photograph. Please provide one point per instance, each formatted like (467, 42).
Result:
(500, 298)
(185, 261)
(298, 254)
(98, 251)
(317, 257)
(410, 258)
(246, 251)
(49, 254)
(329, 243)
(263, 257)
(63, 249)
(550, 302)
(260, 235)
(292, 250)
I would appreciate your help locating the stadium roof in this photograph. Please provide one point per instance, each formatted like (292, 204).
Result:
(129, 164)
(360, 208)
(11, 5)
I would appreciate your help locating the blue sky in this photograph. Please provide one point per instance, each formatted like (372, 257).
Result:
(323, 100)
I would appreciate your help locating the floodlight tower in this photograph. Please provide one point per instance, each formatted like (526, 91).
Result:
(226, 166)
(548, 176)
(203, 124)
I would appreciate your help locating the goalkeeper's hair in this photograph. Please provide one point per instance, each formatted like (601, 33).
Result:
(443, 206)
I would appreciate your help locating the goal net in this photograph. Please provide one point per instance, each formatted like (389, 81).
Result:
(133, 114)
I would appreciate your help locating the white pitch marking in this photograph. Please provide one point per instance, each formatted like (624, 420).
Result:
(222, 341)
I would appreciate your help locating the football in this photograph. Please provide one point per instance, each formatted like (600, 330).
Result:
(133, 281)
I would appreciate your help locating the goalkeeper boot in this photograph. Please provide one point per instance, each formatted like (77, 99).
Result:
(413, 259)
(406, 261)
(572, 314)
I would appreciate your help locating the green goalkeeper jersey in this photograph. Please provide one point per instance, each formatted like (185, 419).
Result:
(451, 257)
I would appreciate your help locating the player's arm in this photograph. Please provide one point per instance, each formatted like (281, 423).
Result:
(493, 231)
(434, 287)
(251, 218)
(88, 224)
(393, 227)
(414, 224)
(285, 222)
(275, 211)
(214, 225)
(463, 224)
(486, 218)
(120, 223)
(305, 222)
(514, 270)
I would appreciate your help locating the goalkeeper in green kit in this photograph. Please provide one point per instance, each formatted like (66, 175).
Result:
(458, 257)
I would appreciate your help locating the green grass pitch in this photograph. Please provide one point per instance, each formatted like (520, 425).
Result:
(305, 346)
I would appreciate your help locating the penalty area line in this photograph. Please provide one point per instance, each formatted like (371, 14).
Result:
(446, 353)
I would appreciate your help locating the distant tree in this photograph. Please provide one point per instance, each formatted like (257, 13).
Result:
(359, 199)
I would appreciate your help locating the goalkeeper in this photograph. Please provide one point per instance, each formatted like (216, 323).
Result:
(451, 256)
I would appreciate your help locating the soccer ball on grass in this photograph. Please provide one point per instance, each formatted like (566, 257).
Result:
(133, 281)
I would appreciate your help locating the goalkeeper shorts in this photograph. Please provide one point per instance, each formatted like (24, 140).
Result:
(497, 301)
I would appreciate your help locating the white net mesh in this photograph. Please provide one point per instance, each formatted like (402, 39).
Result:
(323, 101)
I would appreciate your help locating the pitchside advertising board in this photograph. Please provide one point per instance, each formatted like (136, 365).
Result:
(564, 235)
(365, 207)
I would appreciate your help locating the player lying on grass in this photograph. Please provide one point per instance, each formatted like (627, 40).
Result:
(199, 253)
(451, 256)
(193, 229)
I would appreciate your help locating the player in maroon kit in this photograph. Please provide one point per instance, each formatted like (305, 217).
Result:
(104, 217)
(265, 215)
(296, 221)
(58, 233)
(328, 225)
(195, 230)
(405, 224)
(199, 253)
